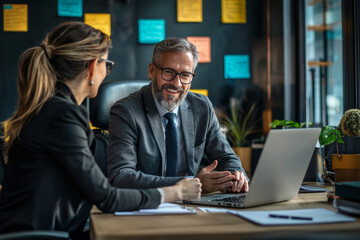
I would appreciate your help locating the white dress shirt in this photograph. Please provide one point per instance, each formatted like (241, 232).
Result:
(182, 166)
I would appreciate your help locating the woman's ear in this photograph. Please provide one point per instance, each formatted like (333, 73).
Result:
(92, 69)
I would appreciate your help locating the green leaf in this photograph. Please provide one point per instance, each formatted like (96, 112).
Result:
(240, 125)
(329, 135)
(287, 124)
(275, 123)
(304, 124)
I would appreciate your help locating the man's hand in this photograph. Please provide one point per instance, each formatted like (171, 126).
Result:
(240, 184)
(215, 181)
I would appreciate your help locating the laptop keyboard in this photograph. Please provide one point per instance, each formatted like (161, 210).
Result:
(236, 199)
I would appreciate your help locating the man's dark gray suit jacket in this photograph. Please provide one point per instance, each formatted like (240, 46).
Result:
(137, 152)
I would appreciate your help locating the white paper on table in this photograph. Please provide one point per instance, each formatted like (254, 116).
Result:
(164, 208)
(213, 210)
(318, 215)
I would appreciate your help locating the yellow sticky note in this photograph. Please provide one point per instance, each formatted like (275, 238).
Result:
(101, 21)
(189, 11)
(200, 91)
(233, 11)
(203, 45)
(15, 17)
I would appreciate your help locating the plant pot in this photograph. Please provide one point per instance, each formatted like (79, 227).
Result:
(347, 167)
(351, 145)
(244, 153)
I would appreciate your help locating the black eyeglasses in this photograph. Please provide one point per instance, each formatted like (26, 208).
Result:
(169, 74)
(109, 64)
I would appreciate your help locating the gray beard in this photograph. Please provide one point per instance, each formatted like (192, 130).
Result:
(170, 103)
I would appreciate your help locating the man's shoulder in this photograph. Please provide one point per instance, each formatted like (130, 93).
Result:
(198, 100)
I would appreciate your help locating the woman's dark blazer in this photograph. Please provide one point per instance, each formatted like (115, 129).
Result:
(52, 180)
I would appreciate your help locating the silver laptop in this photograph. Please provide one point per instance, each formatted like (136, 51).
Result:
(279, 173)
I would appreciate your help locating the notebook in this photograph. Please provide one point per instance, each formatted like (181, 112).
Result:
(279, 173)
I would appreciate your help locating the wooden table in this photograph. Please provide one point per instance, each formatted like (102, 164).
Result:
(216, 225)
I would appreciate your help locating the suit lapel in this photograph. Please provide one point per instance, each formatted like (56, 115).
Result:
(155, 123)
(187, 127)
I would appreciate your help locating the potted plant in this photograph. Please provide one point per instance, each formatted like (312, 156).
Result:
(329, 135)
(341, 148)
(287, 124)
(240, 125)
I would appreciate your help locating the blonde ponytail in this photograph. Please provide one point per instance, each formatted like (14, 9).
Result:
(63, 56)
(36, 83)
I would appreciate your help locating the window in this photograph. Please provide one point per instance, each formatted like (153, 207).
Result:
(324, 62)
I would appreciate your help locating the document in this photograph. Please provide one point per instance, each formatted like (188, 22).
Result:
(213, 210)
(293, 217)
(164, 208)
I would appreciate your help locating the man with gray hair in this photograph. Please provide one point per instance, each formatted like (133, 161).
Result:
(163, 133)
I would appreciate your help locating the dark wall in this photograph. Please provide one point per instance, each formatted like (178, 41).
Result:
(132, 59)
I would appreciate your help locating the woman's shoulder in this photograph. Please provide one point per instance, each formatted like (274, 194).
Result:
(59, 108)
(56, 115)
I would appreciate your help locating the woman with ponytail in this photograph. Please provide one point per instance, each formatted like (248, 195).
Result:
(51, 178)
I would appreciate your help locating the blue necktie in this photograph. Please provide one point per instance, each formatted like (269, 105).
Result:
(172, 145)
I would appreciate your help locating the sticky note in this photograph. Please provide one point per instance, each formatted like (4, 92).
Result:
(233, 11)
(189, 11)
(15, 17)
(70, 8)
(236, 66)
(101, 21)
(151, 30)
(203, 45)
(200, 91)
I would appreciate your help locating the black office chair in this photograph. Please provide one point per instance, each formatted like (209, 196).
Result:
(35, 235)
(99, 107)
(108, 94)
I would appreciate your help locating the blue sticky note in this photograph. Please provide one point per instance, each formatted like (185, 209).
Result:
(70, 8)
(151, 30)
(236, 66)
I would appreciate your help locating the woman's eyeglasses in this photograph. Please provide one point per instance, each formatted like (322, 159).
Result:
(109, 64)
